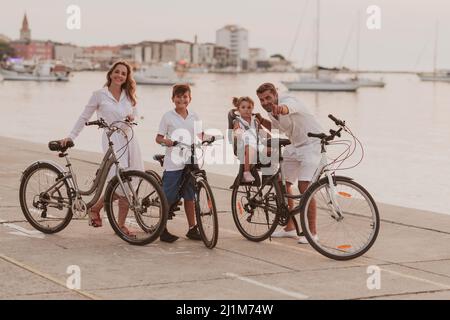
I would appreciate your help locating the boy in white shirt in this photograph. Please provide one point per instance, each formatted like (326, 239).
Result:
(178, 125)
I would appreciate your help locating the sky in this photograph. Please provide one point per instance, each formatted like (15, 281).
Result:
(405, 40)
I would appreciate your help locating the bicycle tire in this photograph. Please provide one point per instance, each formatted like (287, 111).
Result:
(28, 173)
(155, 175)
(209, 241)
(343, 250)
(237, 212)
(151, 234)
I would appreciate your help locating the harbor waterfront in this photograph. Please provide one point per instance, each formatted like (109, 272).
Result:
(402, 126)
(411, 254)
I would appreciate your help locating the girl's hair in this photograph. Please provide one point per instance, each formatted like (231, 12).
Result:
(129, 85)
(238, 101)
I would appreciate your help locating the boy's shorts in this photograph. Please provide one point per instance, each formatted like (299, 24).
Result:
(171, 184)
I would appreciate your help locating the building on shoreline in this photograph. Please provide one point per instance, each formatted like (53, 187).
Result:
(230, 52)
(29, 49)
(235, 39)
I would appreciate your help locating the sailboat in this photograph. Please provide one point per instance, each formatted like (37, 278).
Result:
(363, 82)
(42, 71)
(436, 75)
(320, 82)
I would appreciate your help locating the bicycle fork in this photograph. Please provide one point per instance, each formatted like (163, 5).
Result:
(331, 190)
(124, 190)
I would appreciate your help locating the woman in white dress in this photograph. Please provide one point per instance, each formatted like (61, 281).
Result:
(115, 102)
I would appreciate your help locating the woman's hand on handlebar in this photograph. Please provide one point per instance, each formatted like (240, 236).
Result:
(130, 118)
(64, 141)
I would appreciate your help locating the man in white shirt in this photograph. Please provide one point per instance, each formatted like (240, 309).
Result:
(302, 157)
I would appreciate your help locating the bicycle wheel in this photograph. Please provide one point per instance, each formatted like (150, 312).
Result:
(155, 175)
(45, 203)
(140, 221)
(256, 220)
(343, 231)
(206, 213)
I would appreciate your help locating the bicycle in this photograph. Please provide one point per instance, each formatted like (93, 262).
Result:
(347, 220)
(50, 195)
(205, 205)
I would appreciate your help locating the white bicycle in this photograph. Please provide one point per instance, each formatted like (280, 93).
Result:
(346, 223)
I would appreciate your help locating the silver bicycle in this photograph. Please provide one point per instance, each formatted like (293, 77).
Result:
(50, 195)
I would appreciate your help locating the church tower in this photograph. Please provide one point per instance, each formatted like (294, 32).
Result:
(25, 32)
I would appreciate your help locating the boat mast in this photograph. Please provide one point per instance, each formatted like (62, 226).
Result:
(358, 41)
(436, 39)
(317, 38)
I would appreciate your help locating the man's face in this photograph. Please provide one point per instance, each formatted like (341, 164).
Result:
(268, 99)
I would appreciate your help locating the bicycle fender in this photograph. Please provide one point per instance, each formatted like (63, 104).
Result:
(54, 164)
(343, 178)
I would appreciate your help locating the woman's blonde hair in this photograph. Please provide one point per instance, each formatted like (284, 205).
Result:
(238, 101)
(129, 85)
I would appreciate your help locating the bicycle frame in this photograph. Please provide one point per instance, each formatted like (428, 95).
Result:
(320, 171)
(108, 161)
(190, 171)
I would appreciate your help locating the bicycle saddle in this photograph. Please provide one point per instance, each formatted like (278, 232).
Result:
(159, 158)
(56, 146)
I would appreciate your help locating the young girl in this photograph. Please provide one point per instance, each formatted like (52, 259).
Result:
(246, 127)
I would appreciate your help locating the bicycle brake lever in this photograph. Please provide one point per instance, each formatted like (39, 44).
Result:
(335, 133)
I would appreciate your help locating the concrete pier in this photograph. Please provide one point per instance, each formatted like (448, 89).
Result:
(412, 253)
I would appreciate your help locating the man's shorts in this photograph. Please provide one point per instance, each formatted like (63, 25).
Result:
(171, 184)
(300, 163)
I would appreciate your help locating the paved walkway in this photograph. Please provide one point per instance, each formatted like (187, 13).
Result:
(412, 252)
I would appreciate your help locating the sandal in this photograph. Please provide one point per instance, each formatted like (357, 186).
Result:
(94, 219)
(127, 232)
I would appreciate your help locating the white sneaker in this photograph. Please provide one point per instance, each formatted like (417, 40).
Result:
(248, 177)
(303, 240)
(284, 234)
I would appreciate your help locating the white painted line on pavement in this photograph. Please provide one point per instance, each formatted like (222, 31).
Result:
(20, 231)
(47, 277)
(438, 284)
(292, 294)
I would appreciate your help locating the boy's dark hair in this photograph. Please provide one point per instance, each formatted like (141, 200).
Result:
(180, 89)
(266, 86)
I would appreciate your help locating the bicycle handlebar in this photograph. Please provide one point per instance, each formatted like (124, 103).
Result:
(338, 122)
(317, 135)
(204, 142)
(326, 138)
(102, 123)
(99, 123)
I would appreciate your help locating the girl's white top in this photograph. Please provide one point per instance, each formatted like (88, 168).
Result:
(248, 137)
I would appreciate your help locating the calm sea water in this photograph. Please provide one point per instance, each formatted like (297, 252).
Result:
(404, 127)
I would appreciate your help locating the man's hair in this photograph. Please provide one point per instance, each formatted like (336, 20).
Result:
(180, 89)
(266, 86)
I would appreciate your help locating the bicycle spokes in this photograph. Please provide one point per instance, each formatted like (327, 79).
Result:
(346, 220)
(135, 208)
